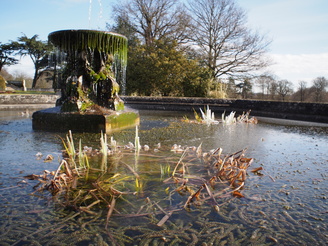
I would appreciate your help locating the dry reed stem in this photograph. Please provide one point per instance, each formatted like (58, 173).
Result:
(110, 211)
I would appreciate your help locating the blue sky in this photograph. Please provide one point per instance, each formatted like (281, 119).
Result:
(298, 29)
(299, 33)
(44, 16)
(296, 26)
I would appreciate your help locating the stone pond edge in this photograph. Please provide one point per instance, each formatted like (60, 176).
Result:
(313, 112)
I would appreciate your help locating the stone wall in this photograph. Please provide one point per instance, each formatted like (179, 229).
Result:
(316, 112)
(17, 101)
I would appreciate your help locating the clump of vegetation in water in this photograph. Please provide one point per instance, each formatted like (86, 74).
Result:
(207, 117)
(87, 178)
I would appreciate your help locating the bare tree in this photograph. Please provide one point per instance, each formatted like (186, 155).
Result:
(272, 88)
(264, 82)
(301, 89)
(319, 86)
(227, 45)
(284, 88)
(124, 26)
(156, 19)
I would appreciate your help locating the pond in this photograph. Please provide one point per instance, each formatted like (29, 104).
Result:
(284, 203)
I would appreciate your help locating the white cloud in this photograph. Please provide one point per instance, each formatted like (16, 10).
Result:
(295, 68)
(25, 66)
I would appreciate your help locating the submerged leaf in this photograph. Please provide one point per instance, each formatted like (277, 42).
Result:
(237, 194)
(257, 169)
(32, 177)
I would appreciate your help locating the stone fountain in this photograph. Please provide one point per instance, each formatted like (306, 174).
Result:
(95, 64)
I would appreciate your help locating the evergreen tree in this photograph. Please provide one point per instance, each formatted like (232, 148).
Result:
(37, 50)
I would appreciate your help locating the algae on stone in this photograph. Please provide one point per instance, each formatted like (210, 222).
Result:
(96, 63)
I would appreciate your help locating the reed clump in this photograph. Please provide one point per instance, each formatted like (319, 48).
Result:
(89, 180)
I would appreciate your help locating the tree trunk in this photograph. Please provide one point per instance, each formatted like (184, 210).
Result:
(35, 77)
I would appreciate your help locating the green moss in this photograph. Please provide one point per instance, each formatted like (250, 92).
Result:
(86, 105)
(92, 55)
(85, 102)
(116, 88)
(35, 92)
(77, 40)
(119, 106)
(102, 75)
(122, 120)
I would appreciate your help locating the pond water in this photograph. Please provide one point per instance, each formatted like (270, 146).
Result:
(283, 204)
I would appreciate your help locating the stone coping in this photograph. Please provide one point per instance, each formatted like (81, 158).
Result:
(23, 101)
(313, 112)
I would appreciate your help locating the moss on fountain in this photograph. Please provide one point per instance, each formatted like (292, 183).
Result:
(95, 67)
(77, 40)
(121, 120)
